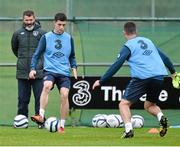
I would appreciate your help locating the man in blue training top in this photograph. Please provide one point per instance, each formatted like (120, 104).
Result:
(147, 64)
(57, 48)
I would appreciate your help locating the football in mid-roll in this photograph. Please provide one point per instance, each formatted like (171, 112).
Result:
(52, 124)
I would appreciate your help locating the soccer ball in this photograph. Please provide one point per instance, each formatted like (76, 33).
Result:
(20, 121)
(52, 124)
(137, 121)
(99, 121)
(114, 121)
(120, 119)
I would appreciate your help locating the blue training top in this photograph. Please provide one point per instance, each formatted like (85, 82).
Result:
(144, 58)
(145, 61)
(58, 52)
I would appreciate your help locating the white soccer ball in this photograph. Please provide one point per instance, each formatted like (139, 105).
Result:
(120, 120)
(20, 121)
(99, 121)
(137, 121)
(114, 121)
(52, 124)
(101, 115)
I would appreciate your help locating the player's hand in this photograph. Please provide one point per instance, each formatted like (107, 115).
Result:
(96, 84)
(173, 75)
(74, 70)
(32, 74)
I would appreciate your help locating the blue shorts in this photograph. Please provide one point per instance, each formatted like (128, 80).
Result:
(58, 79)
(138, 87)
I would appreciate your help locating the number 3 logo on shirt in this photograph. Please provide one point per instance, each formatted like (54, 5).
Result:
(58, 44)
(143, 45)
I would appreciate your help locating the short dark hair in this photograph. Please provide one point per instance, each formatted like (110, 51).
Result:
(130, 28)
(28, 13)
(60, 16)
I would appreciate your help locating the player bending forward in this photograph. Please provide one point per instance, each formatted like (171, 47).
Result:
(147, 64)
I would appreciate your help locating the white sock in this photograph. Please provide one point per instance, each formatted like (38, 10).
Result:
(62, 123)
(128, 127)
(159, 115)
(41, 112)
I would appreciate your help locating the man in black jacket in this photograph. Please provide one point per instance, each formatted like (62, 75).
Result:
(24, 42)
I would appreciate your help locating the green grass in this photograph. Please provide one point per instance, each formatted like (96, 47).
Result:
(78, 136)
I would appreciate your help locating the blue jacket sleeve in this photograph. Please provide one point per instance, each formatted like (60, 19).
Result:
(124, 55)
(72, 58)
(39, 50)
(167, 62)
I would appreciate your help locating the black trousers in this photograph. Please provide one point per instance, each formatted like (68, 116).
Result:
(24, 94)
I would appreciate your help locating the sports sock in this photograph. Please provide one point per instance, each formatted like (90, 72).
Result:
(128, 127)
(41, 112)
(159, 115)
(62, 122)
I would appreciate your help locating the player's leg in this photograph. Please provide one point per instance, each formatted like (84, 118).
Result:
(155, 110)
(154, 89)
(63, 84)
(47, 86)
(124, 107)
(44, 96)
(64, 107)
(134, 90)
(152, 108)
(24, 94)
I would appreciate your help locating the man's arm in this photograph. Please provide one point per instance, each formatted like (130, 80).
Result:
(124, 55)
(167, 62)
(72, 59)
(39, 50)
(14, 44)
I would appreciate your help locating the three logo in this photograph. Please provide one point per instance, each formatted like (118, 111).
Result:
(144, 46)
(83, 96)
(58, 46)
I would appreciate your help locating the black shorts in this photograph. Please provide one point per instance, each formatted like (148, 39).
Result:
(138, 87)
(58, 79)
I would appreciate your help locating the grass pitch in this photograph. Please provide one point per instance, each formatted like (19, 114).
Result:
(79, 136)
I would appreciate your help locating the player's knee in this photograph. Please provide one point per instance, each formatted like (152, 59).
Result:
(148, 104)
(47, 86)
(146, 107)
(64, 93)
(124, 103)
(64, 96)
(120, 104)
